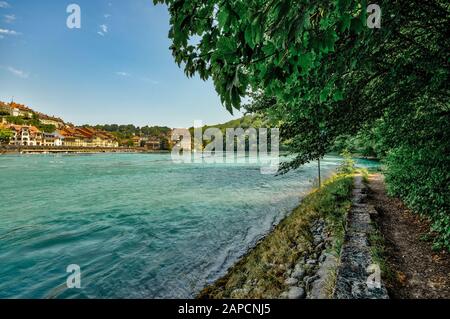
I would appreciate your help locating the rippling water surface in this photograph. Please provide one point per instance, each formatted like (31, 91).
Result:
(139, 226)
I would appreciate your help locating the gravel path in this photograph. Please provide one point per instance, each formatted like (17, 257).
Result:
(417, 270)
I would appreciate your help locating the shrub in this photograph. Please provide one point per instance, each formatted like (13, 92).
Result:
(420, 177)
(348, 165)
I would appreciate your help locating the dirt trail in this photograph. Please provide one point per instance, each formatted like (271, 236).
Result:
(416, 270)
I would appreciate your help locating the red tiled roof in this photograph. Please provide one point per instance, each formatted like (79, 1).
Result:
(43, 116)
(20, 107)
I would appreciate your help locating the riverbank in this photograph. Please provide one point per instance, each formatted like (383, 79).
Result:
(298, 258)
(340, 237)
(72, 150)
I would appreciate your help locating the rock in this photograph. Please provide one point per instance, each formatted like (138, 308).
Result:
(298, 273)
(319, 247)
(311, 262)
(296, 293)
(317, 239)
(310, 280)
(291, 281)
(299, 265)
(319, 286)
(284, 295)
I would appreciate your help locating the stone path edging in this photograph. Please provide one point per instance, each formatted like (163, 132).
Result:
(358, 277)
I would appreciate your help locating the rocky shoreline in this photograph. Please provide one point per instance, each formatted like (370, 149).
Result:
(312, 274)
(298, 259)
(326, 255)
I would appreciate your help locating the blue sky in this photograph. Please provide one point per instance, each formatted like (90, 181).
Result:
(116, 69)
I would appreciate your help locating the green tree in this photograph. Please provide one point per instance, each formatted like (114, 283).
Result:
(15, 120)
(5, 135)
(320, 73)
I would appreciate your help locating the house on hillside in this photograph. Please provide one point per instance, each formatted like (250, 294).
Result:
(136, 141)
(50, 120)
(153, 144)
(24, 135)
(20, 110)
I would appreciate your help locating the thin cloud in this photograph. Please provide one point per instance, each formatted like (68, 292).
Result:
(124, 74)
(106, 15)
(146, 79)
(8, 32)
(18, 73)
(9, 18)
(103, 30)
(4, 4)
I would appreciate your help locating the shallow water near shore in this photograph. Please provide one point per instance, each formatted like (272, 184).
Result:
(138, 225)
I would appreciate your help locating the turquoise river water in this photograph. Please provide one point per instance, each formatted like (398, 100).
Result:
(138, 225)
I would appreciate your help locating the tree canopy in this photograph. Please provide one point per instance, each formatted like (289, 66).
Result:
(324, 70)
(319, 72)
(5, 135)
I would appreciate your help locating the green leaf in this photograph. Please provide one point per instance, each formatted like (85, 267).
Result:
(337, 96)
(249, 36)
(356, 25)
(223, 16)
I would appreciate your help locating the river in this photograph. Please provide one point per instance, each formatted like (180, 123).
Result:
(138, 225)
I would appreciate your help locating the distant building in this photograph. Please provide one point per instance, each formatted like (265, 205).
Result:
(153, 144)
(50, 120)
(19, 110)
(136, 141)
(87, 137)
(24, 135)
(65, 134)
(52, 139)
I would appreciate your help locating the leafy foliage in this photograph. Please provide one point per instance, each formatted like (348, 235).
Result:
(320, 73)
(34, 121)
(5, 135)
(348, 164)
(128, 131)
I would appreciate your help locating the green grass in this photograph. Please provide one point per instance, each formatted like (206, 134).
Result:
(378, 252)
(261, 272)
(365, 175)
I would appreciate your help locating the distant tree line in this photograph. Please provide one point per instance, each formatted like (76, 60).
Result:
(128, 131)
